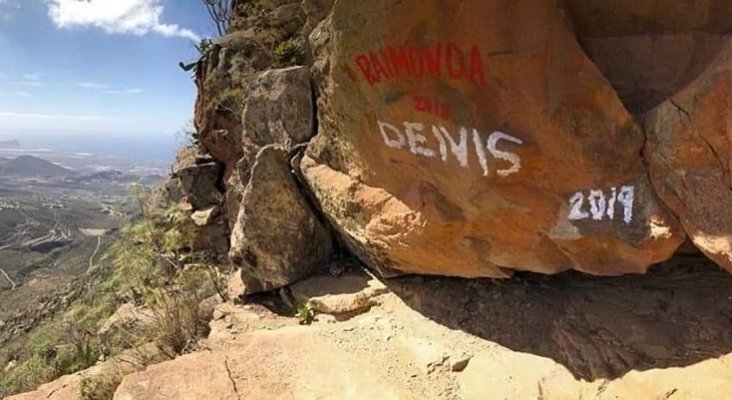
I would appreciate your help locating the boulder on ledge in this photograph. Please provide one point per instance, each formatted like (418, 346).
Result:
(476, 140)
(277, 238)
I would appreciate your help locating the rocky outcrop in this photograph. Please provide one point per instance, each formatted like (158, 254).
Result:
(277, 238)
(254, 92)
(474, 152)
(689, 152)
(199, 184)
(451, 142)
(278, 110)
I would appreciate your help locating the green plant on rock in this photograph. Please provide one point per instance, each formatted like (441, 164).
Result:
(229, 99)
(147, 253)
(149, 271)
(306, 313)
(204, 46)
(53, 349)
(289, 53)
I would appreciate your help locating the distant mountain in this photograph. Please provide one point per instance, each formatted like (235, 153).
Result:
(9, 144)
(32, 167)
(102, 177)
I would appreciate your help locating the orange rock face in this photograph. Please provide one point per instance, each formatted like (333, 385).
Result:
(650, 49)
(477, 139)
(688, 148)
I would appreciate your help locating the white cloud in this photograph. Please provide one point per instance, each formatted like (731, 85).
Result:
(93, 85)
(32, 77)
(24, 94)
(137, 17)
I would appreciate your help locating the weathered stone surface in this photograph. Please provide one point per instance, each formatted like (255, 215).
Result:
(220, 78)
(605, 18)
(205, 217)
(130, 318)
(235, 286)
(212, 237)
(198, 184)
(200, 375)
(689, 153)
(490, 143)
(277, 238)
(350, 293)
(501, 374)
(278, 110)
(285, 364)
(648, 69)
(513, 375)
(207, 228)
(649, 49)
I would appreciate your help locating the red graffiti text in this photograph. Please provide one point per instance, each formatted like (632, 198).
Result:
(439, 60)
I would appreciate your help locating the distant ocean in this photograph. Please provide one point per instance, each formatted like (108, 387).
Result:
(142, 147)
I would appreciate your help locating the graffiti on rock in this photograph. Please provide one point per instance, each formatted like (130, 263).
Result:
(600, 206)
(414, 137)
(437, 60)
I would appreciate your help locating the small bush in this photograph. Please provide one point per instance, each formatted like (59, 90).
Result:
(99, 387)
(204, 46)
(289, 53)
(26, 376)
(229, 99)
(175, 321)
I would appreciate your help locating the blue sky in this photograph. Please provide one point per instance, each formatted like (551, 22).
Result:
(97, 67)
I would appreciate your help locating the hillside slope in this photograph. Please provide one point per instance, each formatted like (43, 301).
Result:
(30, 167)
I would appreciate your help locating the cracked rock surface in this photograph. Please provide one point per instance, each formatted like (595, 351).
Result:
(689, 147)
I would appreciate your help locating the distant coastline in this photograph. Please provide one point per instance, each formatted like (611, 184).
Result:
(161, 148)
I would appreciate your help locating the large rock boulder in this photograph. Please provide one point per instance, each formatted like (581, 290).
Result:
(199, 185)
(201, 192)
(278, 110)
(277, 238)
(478, 139)
(688, 149)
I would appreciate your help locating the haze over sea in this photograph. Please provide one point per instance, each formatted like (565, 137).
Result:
(135, 147)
